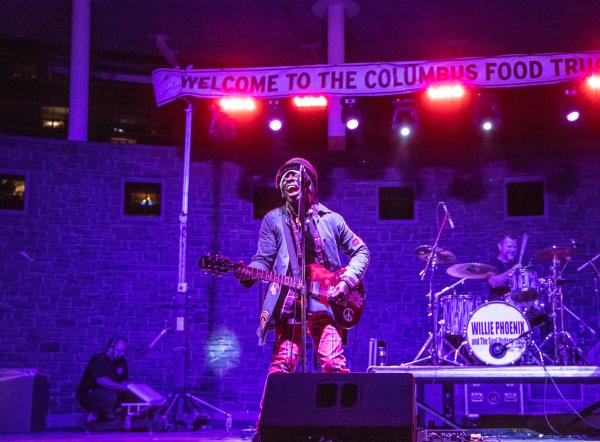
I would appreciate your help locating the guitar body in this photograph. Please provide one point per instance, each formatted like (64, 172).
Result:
(347, 308)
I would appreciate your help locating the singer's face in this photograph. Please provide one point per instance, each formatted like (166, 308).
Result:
(290, 185)
(508, 249)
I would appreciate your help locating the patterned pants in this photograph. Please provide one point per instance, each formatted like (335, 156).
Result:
(327, 340)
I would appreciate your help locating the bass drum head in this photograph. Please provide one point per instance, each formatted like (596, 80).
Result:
(490, 331)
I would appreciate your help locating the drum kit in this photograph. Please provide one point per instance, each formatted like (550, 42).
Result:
(466, 330)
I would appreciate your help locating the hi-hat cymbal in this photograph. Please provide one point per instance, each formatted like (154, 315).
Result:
(549, 253)
(472, 270)
(442, 256)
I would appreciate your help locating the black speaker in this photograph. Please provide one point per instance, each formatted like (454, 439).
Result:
(23, 401)
(343, 406)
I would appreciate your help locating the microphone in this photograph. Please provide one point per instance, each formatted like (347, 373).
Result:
(498, 350)
(450, 221)
(304, 178)
(167, 328)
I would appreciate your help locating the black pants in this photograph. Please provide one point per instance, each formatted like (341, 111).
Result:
(102, 401)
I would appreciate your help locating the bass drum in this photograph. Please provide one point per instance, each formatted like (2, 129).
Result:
(492, 333)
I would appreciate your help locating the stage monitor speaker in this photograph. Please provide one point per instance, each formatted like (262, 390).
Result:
(23, 400)
(342, 406)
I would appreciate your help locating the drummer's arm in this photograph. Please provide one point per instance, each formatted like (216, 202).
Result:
(502, 278)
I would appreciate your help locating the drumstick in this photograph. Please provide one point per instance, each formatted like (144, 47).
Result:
(523, 245)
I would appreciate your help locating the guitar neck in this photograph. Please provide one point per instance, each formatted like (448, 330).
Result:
(268, 276)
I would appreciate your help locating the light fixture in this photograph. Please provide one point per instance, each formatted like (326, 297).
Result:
(274, 115)
(405, 121)
(486, 115)
(310, 101)
(445, 91)
(593, 82)
(237, 104)
(350, 113)
(570, 107)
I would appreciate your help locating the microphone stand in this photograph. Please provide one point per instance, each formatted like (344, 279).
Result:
(302, 256)
(430, 267)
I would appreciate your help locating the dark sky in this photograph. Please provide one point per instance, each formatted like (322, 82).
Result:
(238, 33)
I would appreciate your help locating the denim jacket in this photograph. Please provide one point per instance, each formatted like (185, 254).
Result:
(272, 255)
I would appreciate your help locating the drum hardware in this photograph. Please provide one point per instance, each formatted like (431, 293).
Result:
(553, 253)
(596, 273)
(472, 270)
(496, 333)
(442, 256)
(564, 345)
(524, 285)
(434, 341)
(456, 310)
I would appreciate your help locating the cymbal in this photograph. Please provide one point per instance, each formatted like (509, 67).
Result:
(549, 253)
(471, 270)
(442, 256)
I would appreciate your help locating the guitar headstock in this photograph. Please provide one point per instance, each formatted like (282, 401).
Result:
(215, 265)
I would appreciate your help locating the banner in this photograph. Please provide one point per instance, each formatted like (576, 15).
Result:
(371, 79)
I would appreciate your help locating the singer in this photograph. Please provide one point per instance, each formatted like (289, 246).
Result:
(279, 250)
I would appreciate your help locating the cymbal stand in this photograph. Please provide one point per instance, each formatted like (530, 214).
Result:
(561, 338)
(434, 339)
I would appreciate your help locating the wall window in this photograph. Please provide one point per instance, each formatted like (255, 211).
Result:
(525, 198)
(265, 199)
(54, 117)
(142, 199)
(397, 203)
(12, 192)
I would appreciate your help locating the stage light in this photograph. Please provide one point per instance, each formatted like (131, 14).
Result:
(573, 116)
(275, 125)
(445, 92)
(310, 101)
(570, 106)
(350, 113)
(237, 104)
(593, 82)
(405, 120)
(222, 127)
(274, 115)
(486, 114)
(352, 123)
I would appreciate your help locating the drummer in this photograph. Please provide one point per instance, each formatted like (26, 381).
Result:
(505, 262)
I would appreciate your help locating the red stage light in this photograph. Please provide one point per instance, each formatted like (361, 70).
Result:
(310, 101)
(593, 82)
(237, 104)
(446, 92)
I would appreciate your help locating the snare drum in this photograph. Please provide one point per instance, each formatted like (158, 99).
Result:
(524, 285)
(456, 310)
(492, 332)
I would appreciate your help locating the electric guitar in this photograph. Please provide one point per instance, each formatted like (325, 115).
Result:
(347, 307)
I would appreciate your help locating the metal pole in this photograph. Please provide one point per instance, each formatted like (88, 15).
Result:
(181, 359)
(79, 75)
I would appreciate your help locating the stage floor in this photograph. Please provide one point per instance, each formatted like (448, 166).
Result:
(235, 435)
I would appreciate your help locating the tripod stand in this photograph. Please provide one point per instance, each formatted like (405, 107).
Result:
(433, 255)
(177, 402)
